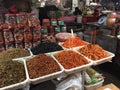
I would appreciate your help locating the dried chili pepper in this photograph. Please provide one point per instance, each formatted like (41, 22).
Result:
(70, 59)
(73, 42)
(93, 51)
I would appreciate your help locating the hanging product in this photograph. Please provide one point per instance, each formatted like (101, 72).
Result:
(22, 20)
(18, 36)
(57, 29)
(10, 19)
(53, 22)
(27, 37)
(9, 38)
(33, 20)
(60, 22)
(63, 28)
(36, 36)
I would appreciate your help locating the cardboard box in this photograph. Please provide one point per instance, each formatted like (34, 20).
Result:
(109, 87)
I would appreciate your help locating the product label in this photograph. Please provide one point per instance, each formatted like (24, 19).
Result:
(54, 23)
(61, 22)
(44, 30)
(63, 28)
(57, 29)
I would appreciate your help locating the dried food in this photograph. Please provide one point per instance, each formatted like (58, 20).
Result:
(11, 72)
(13, 53)
(41, 65)
(70, 59)
(73, 42)
(46, 47)
(93, 51)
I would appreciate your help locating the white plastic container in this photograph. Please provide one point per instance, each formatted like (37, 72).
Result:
(45, 77)
(100, 61)
(19, 85)
(75, 69)
(94, 86)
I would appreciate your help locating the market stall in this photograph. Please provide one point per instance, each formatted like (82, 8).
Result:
(32, 53)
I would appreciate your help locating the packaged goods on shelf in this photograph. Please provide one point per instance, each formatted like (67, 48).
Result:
(10, 19)
(33, 21)
(53, 22)
(57, 29)
(21, 20)
(16, 30)
(60, 22)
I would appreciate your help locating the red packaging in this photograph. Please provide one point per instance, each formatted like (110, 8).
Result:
(22, 20)
(27, 34)
(33, 20)
(8, 36)
(18, 35)
(36, 34)
(1, 37)
(10, 19)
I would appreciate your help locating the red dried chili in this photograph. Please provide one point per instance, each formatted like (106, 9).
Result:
(70, 59)
(73, 42)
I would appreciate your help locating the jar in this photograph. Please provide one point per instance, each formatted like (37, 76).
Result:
(53, 22)
(60, 22)
(63, 28)
(44, 30)
(51, 30)
(44, 34)
(57, 29)
(46, 22)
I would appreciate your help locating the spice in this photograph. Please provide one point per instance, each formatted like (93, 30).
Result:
(13, 53)
(93, 51)
(70, 59)
(41, 65)
(73, 42)
(46, 47)
(11, 72)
